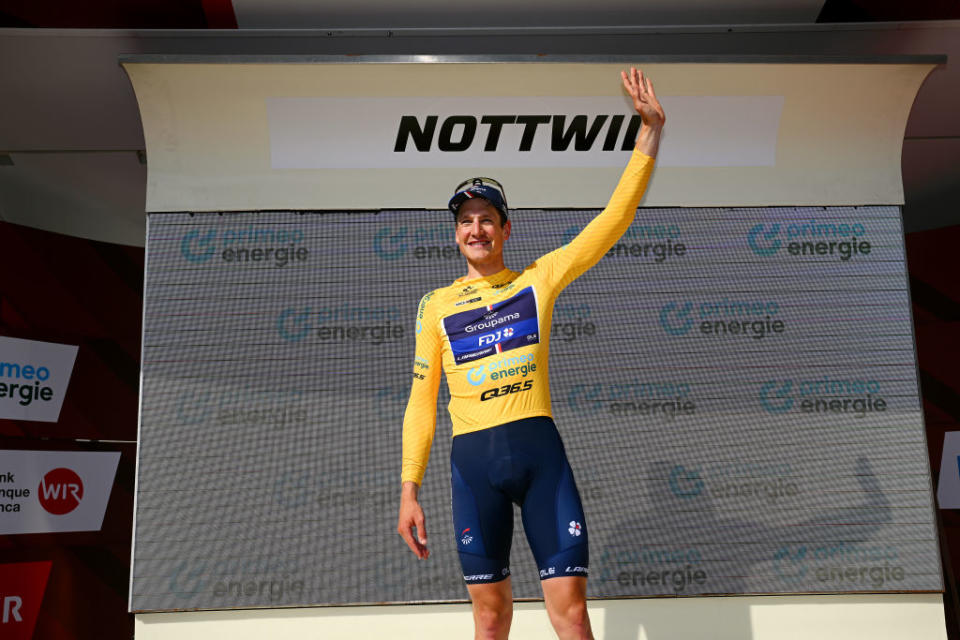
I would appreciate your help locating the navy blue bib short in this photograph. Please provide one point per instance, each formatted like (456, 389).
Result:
(524, 463)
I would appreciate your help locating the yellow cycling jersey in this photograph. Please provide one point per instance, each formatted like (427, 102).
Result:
(491, 335)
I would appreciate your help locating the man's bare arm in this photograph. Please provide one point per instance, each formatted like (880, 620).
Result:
(646, 104)
(411, 515)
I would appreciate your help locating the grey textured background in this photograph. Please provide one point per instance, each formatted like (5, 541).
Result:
(269, 457)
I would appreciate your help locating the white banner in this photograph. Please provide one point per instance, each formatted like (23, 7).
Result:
(530, 132)
(55, 491)
(33, 378)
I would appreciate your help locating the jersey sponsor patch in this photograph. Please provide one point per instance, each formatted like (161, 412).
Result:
(495, 328)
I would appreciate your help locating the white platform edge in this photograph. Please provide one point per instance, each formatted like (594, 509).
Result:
(824, 617)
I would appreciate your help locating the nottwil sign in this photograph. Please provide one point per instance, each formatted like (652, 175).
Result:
(727, 379)
(596, 131)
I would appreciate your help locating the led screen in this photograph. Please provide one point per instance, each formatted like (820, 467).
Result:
(736, 390)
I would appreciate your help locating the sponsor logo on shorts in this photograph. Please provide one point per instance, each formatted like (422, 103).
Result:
(478, 576)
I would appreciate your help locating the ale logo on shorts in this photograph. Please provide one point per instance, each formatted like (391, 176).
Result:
(574, 528)
(493, 329)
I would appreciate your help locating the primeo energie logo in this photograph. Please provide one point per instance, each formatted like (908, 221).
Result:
(660, 400)
(278, 247)
(810, 239)
(424, 243)
(521, 365)
(822, 395)
(346, 323)
(654, 243)
(724, 318)
(726, 482)
(840, 565)
(24, 382)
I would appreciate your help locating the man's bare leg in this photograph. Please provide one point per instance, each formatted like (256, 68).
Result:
(492, 609)
(566, 600)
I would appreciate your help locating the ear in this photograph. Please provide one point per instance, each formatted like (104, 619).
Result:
(506, 230)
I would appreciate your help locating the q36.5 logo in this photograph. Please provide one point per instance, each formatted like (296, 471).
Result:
(198, 247)
(506, 389)
(390, 243)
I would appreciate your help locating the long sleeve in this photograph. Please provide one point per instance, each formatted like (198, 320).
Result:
(586, 249)
(420, 418)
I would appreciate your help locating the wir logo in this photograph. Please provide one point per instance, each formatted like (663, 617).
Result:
(60, 491)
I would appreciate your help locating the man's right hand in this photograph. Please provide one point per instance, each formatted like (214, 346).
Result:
(411, 516)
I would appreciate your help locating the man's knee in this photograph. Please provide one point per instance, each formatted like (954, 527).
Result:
(574, 615)
(492, 618)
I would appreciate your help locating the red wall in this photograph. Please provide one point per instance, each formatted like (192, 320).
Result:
(57, 288)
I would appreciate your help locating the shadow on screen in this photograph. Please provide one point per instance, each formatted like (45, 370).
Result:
(730, 617)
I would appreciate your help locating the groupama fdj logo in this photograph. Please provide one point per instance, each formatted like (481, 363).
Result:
(277, 247)
(724, 318)
(423, 243)
(824, 395)
(810, 239)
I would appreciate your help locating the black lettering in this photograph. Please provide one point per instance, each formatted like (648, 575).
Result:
(577, 131)
(630, 136)
(410, 128)
(530, 124)
(445, 140)
(610, 142)
(496, 126)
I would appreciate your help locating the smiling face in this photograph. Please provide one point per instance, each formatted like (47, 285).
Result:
(481, 236)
